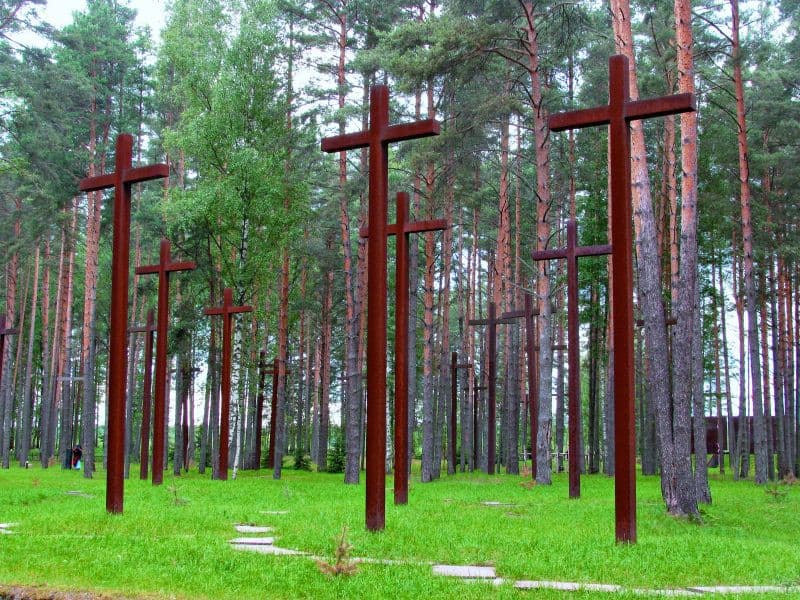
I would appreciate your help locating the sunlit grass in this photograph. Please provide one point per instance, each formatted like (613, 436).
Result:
(172, 540)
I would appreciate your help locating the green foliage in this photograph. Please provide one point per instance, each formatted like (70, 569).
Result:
(302, 462)
(336, 454)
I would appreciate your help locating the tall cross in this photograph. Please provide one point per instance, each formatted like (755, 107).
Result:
(273, 415)
(4, 331)
(149, 329)
(617, 114)
(121, 180)
(492, 321)
(402, 229)
(451, 426)
(163, 268)
(227, 310)
(377, 139)
(528, 312)
(571, 252)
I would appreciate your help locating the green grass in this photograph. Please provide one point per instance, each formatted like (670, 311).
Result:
(171, 541)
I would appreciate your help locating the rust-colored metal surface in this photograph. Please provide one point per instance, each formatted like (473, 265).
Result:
(402, 229)
(619, 111)
(527, 313)
(491, 321)
(162, 268)
(144, 439)
(227, 310)
(262, 374)
(273, 415)
(452, 423)
(377, 139)
(121, 180)
(571, 252)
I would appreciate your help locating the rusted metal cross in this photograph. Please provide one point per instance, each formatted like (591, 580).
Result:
(528, 312)
(121, 180)
(491, 321)
(571, 252)
(377, 139)
(227, 310)
(149, 329)
(617, 114)
(4, 331)
(163, 268)
(273, 415)
(451, 426)
(402, 229)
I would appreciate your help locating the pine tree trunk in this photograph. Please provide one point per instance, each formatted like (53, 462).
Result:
(26, 424)
(45, 450)
(6, 386)
(759, 426)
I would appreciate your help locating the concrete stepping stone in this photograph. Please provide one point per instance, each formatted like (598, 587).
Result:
(744, 589)
(79, 493)
(269, 549)
(465, 571)
(495, 503)
(253, 541)
(274, 512)
(243, 528)
(567, 586)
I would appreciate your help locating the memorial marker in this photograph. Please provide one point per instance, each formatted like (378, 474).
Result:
(275, 372)
(144, 453)
(451, 426)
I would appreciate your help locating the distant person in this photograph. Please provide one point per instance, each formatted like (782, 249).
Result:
(77, 454)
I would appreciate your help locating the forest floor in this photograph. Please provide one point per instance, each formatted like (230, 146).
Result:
(173, 541)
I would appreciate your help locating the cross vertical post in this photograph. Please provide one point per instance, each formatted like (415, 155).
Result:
(451, 425)
(402, 229)
(527, 313)
(227, 310)
(476, 389)
(262, 367)
(617, 114)
(144, 438)
(274, 410)
(121, 180)
(571, 253)
(491, 321)
(163, 268)
(377, 139)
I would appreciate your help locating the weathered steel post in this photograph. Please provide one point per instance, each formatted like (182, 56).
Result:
(402, 229)
(144, 437)
(162, 268)
(571, 252)
(377, 139)
(121, 180)
(619, 111)
(227, 310)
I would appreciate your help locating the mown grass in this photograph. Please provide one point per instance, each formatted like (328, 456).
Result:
(172, 540)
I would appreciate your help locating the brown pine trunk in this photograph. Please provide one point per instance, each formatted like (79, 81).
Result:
(7, 388)
(46, 401)
(26, 425)
(542, 143)
(64, 397)
(759, 426)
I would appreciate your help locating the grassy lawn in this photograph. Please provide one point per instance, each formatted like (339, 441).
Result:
(172, 540)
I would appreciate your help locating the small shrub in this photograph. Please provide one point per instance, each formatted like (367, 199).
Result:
(302, 462)
(336, 456)
(342, 563)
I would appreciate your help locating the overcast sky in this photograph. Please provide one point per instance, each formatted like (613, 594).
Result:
(149, 12)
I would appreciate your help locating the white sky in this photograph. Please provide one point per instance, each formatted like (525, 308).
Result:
(149, 12)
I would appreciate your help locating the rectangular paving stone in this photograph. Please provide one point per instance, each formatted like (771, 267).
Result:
(253, 541)
(465, 571)
(264, 549)
(744, 589)
(274, 512)
(252, 528)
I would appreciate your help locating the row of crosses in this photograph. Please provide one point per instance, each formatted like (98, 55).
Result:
(616, 114)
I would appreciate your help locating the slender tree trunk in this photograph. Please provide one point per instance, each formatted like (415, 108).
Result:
(6, 387)
(45, 450)
(26, 424)
(759, 426)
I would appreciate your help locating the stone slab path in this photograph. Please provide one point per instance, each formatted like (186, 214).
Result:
(488, 574)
